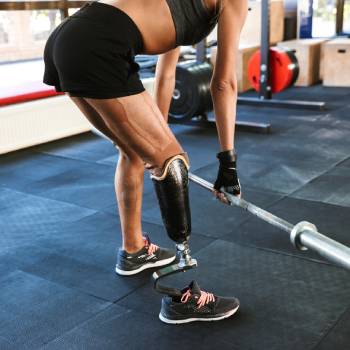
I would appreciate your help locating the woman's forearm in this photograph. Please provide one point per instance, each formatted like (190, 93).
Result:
(224, 101)
(165, 79)
(163, 92)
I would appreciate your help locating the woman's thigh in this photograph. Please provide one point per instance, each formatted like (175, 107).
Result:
(97, 121)
(137, 123)
(93, 117)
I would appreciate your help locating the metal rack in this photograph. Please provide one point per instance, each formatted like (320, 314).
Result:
(265, 95)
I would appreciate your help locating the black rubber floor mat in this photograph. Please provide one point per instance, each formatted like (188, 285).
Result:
(330, 220)
(87, 146)
(332, 187)
(286, 302)
(5, 345)
(8, 197)
(75, 267)
(95, 240)
(345, 163)
(89, 278)
(117, 328)
(35, 311)
(21, 168)
(318, 143)
(338, 336)
(80, 254)
(32, 217)
(91, 186)
(270, 174)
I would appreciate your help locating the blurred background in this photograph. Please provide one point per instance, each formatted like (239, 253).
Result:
(25, 25)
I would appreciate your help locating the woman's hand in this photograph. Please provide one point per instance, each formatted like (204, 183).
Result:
(227, 176)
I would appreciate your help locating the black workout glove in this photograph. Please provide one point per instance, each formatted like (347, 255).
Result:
(227, 175)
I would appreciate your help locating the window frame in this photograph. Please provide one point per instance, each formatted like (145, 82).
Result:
(62, 5)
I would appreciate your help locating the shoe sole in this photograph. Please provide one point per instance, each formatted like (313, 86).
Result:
(187, 320)
(144, 267)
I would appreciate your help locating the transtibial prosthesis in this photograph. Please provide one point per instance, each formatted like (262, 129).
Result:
(172, 192)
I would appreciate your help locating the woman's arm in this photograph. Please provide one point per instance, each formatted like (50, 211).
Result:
(223, 85)
(165, 80)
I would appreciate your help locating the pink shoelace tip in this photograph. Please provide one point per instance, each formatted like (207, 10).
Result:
(151, 248)
(204, 299)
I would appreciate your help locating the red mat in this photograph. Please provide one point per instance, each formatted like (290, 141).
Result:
(26, 92)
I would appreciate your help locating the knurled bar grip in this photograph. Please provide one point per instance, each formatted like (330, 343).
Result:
(303, 235)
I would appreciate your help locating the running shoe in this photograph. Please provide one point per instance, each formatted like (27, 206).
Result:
(148, 257)
(196, 305)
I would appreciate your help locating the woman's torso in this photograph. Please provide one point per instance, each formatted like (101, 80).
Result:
(154, 21)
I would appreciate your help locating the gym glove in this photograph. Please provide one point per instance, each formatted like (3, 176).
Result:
(227, 174)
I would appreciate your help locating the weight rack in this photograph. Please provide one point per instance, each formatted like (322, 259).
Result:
(265, 94)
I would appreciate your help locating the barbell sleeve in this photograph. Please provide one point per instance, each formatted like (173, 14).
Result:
(330, 249)
(303, 235)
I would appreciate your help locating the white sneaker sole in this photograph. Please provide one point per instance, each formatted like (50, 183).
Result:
(145, 266)
(187, 320)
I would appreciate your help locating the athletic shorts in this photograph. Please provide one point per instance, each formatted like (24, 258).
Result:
(92, 54)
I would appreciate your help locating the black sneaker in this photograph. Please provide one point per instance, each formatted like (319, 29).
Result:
(148, 257)
(196, 305)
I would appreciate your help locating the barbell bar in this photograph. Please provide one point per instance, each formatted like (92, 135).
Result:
(303, 235)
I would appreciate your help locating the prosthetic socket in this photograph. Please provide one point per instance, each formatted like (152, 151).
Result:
(172, 192)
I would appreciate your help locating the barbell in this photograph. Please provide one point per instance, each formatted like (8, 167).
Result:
(303, 235)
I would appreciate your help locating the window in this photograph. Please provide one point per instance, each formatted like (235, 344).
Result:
(324, 17)
(23, 33)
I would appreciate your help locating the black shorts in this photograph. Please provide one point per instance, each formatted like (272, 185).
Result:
(92, 54)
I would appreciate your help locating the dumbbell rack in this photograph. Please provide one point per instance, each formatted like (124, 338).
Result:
(265, 94)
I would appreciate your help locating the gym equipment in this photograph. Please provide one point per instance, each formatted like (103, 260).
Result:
(192, 98)
(227, 173)
(265, 90)
(191, 95)
(303, 236)
(172, 192)
(284, 69)
(185, 262)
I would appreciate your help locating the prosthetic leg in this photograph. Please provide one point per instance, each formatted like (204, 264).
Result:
(172, 192)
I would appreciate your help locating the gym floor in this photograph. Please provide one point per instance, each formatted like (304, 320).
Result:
(59, 232)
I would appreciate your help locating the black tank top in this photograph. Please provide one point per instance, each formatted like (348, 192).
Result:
(192, 20)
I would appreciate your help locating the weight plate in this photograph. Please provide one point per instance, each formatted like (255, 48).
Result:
(283, 69)
(191, 95)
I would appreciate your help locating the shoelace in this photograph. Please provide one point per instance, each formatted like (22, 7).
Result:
(204, 299)
(151, 248)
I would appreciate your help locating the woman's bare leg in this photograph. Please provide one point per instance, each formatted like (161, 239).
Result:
(128, 182)
(93, 117)
(141, 116)
(138, 124)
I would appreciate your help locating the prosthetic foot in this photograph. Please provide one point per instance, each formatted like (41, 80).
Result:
(172, 192)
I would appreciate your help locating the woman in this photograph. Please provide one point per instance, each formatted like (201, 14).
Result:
(90, 55)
